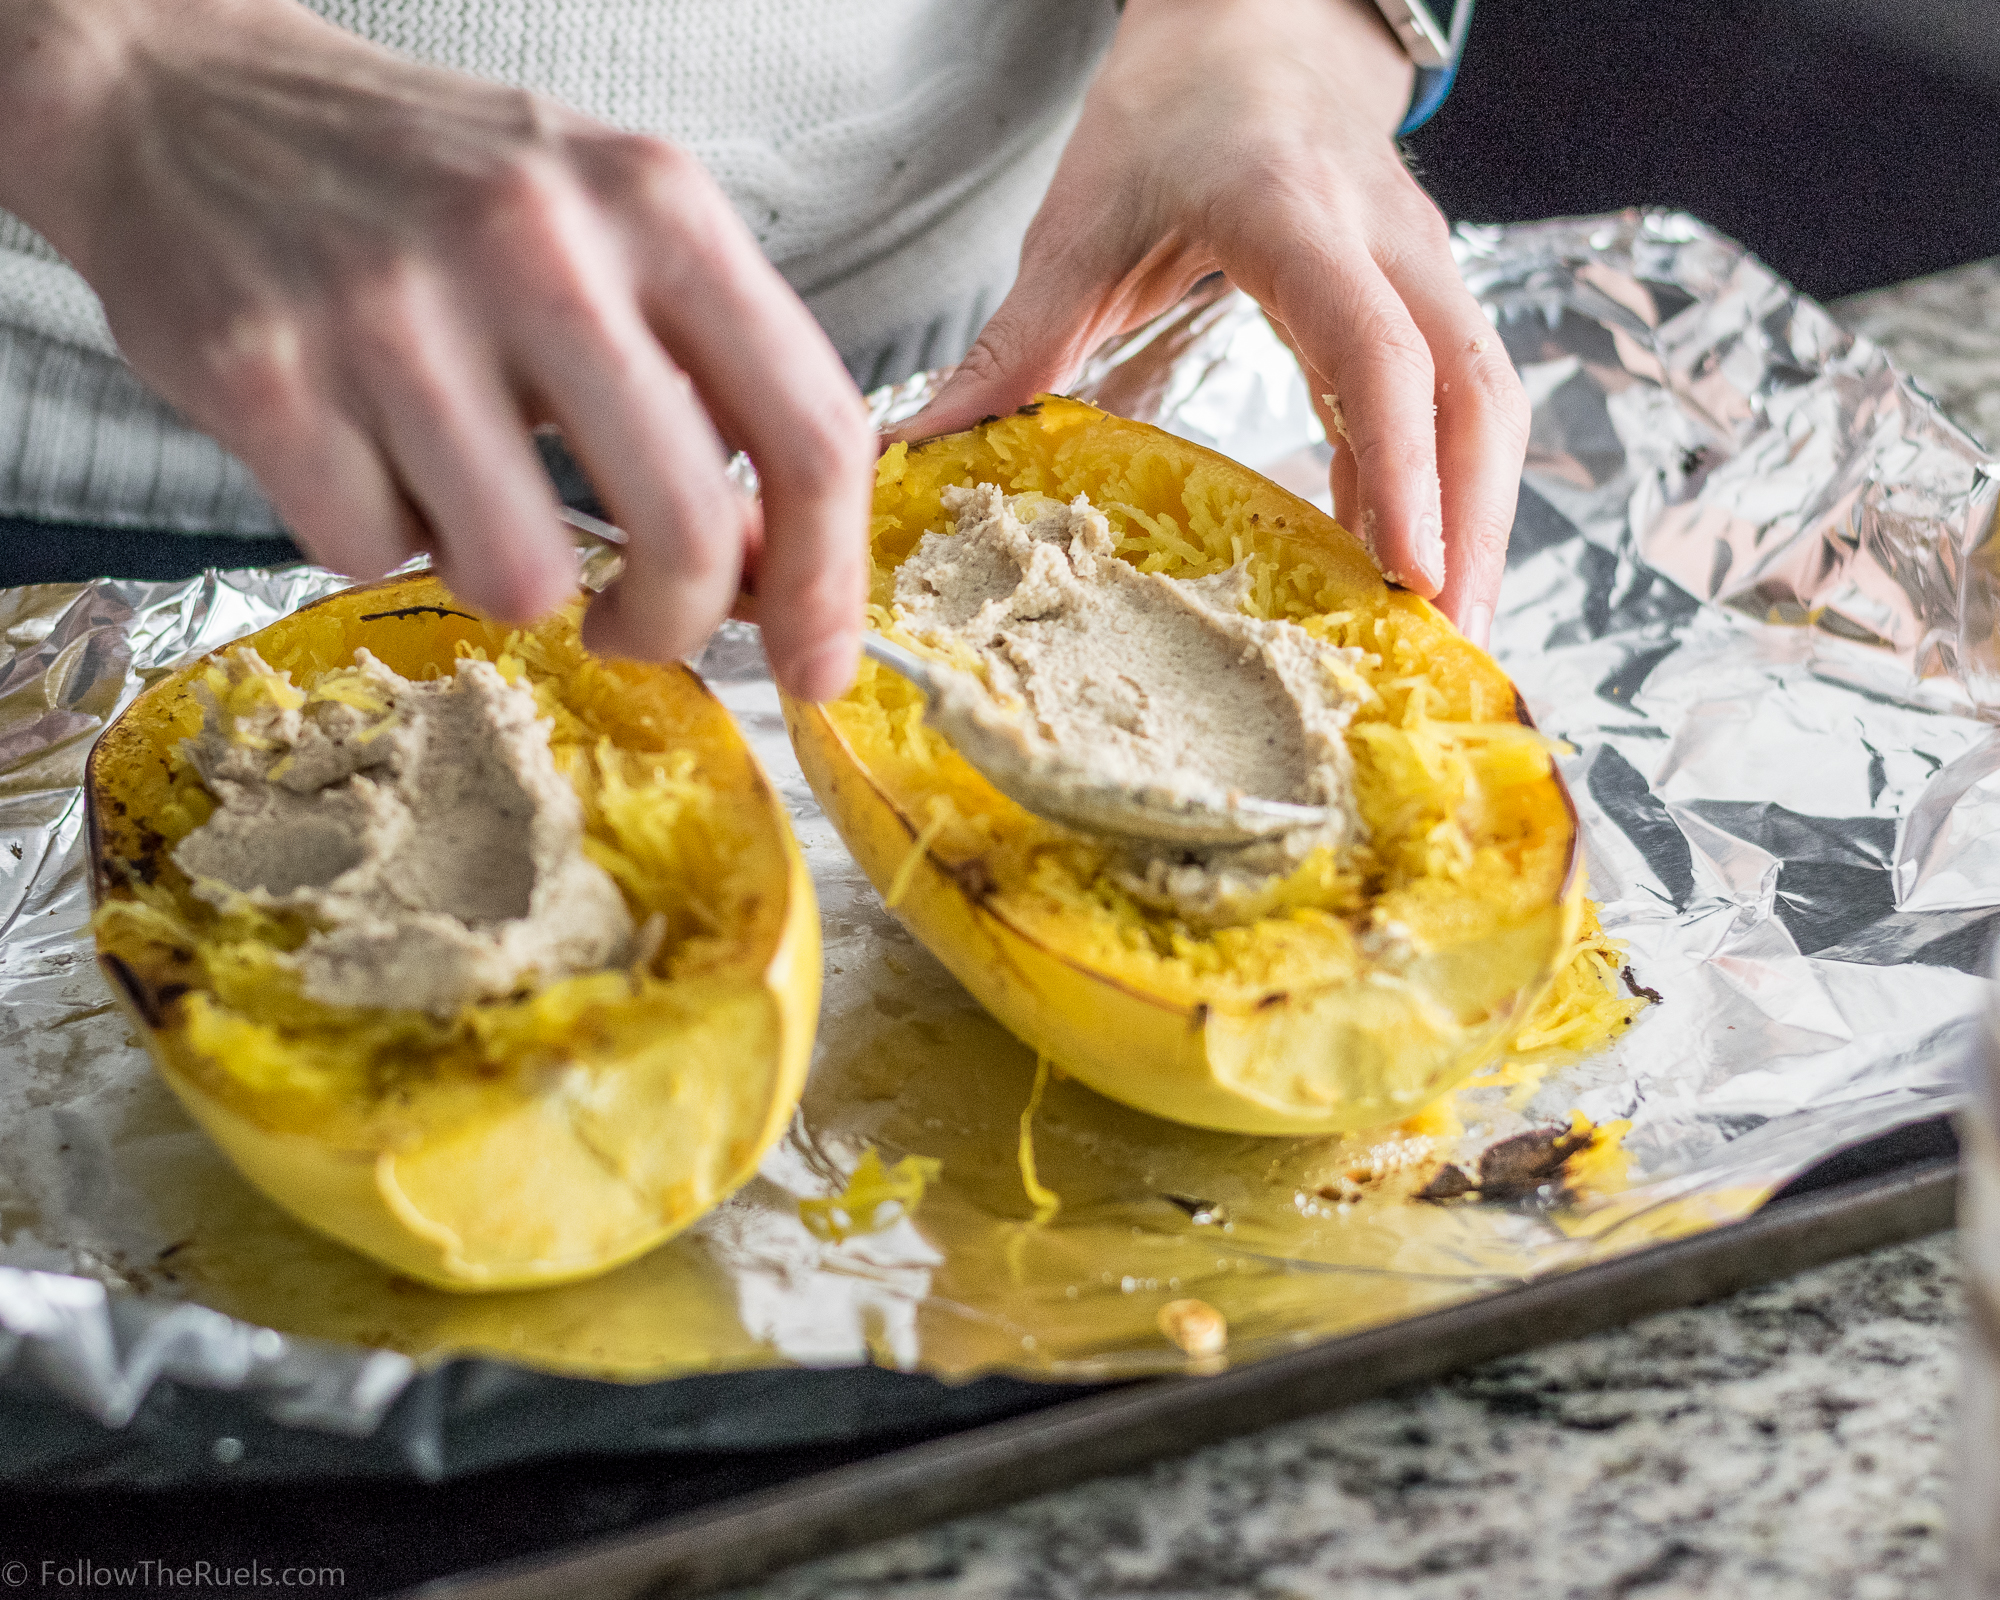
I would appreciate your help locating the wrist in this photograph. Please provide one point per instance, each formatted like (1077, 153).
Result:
(79, 79)
(1389, 78)
(1346, 42)
(61, 63)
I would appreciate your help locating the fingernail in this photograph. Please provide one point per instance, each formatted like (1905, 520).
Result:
(828, 671)
(1479, 623)
(1430, 547)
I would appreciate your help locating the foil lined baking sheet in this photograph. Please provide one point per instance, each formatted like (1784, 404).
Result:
(1753, 584)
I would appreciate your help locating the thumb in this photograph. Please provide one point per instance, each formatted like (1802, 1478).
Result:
(1078, 287)
(1034, 343)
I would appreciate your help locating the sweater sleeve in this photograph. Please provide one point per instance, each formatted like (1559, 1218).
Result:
(888, 158)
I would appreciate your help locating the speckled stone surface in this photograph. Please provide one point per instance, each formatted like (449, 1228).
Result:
(1944, 331)
(1789, 1443)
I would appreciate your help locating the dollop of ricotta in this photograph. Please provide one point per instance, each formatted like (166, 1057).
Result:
(421, 828)
(1162, 686)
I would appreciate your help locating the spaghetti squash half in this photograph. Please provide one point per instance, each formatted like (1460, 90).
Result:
(1353, 988)
(531, 1138)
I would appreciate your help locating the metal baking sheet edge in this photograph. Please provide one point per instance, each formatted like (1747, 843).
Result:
(1116, 1431)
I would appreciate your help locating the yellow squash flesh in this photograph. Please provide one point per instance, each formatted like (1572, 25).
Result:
(525, 1142)
(1358, 990)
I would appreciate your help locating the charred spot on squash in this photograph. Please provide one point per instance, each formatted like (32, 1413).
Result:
(1638, 989)
(440, 612)
(150, 1003)
(975, 878)
(1357, 1182)
(1522, 1164)
(1451, 1182)
(145, 866)
(1512, 1168)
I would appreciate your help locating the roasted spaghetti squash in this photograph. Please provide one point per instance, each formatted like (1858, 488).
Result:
(1354, 987)
(516, 1139)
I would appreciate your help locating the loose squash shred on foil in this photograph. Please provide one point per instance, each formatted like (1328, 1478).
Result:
(875, 1197)
(1044, 1199)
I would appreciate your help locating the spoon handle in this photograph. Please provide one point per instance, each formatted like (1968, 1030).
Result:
(904, 663)
(598, 529)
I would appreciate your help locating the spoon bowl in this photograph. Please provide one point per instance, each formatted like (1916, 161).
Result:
(1065, 794)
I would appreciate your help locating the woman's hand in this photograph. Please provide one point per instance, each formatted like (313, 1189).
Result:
(1256, 136)
(368, 278)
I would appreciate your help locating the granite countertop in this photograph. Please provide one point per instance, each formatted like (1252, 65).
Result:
(1790, 1441)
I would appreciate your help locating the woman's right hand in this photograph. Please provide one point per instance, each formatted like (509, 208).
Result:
(368, 278)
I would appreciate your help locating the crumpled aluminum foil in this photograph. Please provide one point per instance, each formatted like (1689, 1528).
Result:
(1753, 583)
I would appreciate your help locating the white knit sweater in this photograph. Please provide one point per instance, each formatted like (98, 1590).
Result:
(887, 153)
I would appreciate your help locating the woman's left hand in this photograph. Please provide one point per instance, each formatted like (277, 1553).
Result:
(1256, 137)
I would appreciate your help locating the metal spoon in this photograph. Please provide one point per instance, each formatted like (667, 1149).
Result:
(1071, 795)
(981, 733)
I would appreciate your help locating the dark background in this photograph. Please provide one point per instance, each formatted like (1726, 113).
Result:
(1851, 143)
